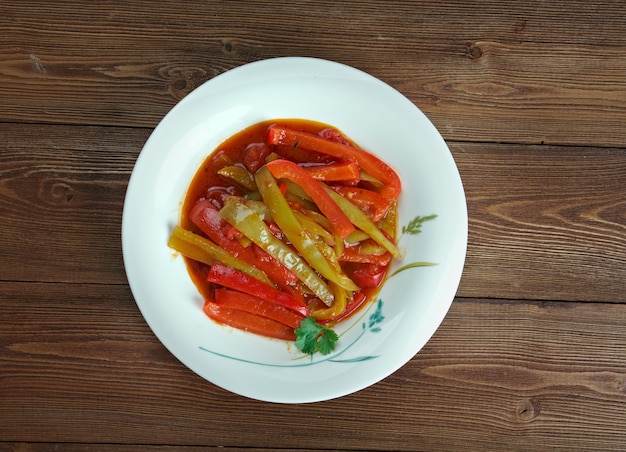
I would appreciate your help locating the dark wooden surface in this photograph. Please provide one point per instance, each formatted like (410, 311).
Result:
(531, 98)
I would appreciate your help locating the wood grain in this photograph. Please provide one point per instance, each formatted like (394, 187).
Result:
(545, 222)
(61, 195)
(82, 366)
(470, 73)
(81, 447)
(531, 98)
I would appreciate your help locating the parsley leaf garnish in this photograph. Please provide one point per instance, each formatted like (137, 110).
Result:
(312, 337)
(415, 225)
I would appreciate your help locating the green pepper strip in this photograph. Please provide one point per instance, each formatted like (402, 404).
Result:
(293, 230)
(239, 175)
(249, 224)
(361, 221)
(204, 250)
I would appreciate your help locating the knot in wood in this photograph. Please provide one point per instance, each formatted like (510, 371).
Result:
(180, 85)
(474, 51)
(227, 46)
(527, 410)
(62, 192)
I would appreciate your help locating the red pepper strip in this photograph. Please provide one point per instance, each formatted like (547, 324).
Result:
(206, 216)
(367, 276)
(371, 203)
(284, 169)
(368, 162)
(346, 171)
(352, 255)
(358, 300)
(248, 322)
(233, 299)
(235, 279)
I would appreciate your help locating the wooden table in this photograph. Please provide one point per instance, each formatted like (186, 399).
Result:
(531, 99)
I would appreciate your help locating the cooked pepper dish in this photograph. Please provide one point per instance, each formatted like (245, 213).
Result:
(288, 220)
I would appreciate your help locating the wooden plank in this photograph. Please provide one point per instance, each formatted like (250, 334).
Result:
(79, 365)
(81, 447)
(545, 222)
(468, 65)
(571, 95)
(578, 22)
(61, 196)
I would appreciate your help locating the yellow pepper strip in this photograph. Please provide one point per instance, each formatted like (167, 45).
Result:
(361, 221)
(323, 238)
(320, 219)
(340, 246)
(250, 224)
(296, 195)
(356, 237)
(295, 190)
(204, 250)
(371, 249)
(259, 208)
(314, 228)
(338, 306)
(293, 230)
(310, 225)
(371, 179)
(329, 253)
(240, 176)
(388, 223)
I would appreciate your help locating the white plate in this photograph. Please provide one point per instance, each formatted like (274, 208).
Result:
(378, 118)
